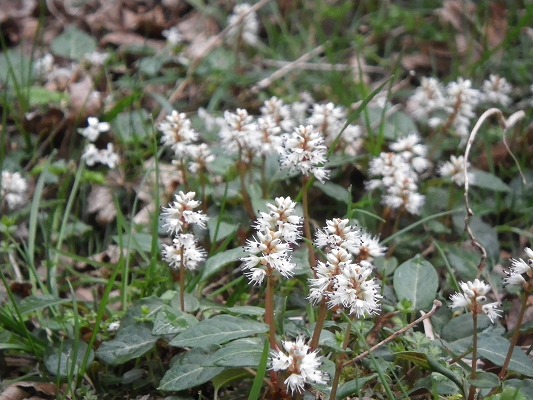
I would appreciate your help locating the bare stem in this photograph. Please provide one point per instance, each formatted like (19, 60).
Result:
(473, 373)
(307, 226)
(516, 335)
(339, 365)
(322, 314)
(269, 310)
(182, 285)
(436, 306)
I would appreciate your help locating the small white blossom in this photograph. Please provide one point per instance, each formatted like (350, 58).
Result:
(240, 135)
(368, 249)
(243, 25)
(180, 213)
(282, 218)
(461, 100)
(338, 233)
(14, 190)
(44, 66)
(496, 90)
(173, 36)
(279, 112)
(426, 99)
(412, 151)
(521, 272)
(473, 297)
(200, 157)
(108, 156)
(94, 128)
(178, 134)
(304, 151)
(184, 251)
(271, 141)
(91, 155)
(454, 169)
(300, 362)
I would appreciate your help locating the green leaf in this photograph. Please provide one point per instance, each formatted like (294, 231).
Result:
(462, 327)
(214, 264)
(417, 281)
(415, 357)
(15, 69)
(131, 342)
(238, 354)
(523, 386)
(223, 230)
(170, 321)
(191, 302)
(229, 376)
(189, 371)
(132, 126)
(217, 330)
(60, 359)
(353, 387)
(485, 233)
(335, 191)
(486, 180)
(73, 44)
(246, 310)
(39, 96)
(485, 380)
(34, 303)
(495, 349)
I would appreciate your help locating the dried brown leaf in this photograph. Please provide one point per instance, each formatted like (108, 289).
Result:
(127, 39)
(101, 202)
(496, 26)
(84, 99)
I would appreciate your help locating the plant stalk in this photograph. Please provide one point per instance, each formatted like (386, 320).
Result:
(516, 335)
(339, 364)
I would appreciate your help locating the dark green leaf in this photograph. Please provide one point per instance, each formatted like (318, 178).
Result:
(170, 321)
(486, 180)
(73, 44)
(240, 353)
(417, 281)
(215, 263)
(495, 349)
(485, 380)
(60, 358)
(131, 342)
(335, 191)
(217, 330)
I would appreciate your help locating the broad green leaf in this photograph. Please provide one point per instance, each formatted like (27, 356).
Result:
(217, 330)
(73, 44)
(462, 327)
(214, 264)
(485, 380)
(415, 357)
(495, 349)
(189, 371)
(238, 354)
(39, 96)
(131, 342)
(191, 302)
(60, 358)
(463, 262)
(525, 386)
(417, 281)
(353, 387)
(34, 303)
(223, 230)
(15, 69)
(228, 376)
(170, 321)
(485, 233)
(246, 310)
(132, 126)
(486, 180)
(335, 191)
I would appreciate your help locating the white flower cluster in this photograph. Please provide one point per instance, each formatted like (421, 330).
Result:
(473, 297)
(13, 190)
(453, 107)
(180, 138)
(397, 173)
(304, 151)
(454, 169)
(300, 362)
(271, 250)
(91, 154)
(177, 219)
(521, 272)
(244, 25)
(341, 280)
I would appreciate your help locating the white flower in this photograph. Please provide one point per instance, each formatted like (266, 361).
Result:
(338, 233)
(240, 134)
(461, 102)
(184, 251)
(108, 156)
(271, 141)
(180, 213)
(177, 133)
(279, 112)
(173, 36)
(427, 98)
(94, 128)
(473, 297)
(243, 27)
(412, 151)
(13, 190)
(496, 90)
(44, 66)
(521, 272)
(304, 151)
(96, 58)
(301, 363)
(403, 195)
(282, 218)
(200, 156)
(368, 248)
(454, 169)
(91, 155)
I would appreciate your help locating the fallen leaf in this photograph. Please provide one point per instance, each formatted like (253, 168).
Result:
(101, 202)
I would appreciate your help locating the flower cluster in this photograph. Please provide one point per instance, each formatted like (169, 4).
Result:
(91, 154)
(521, 272)
(304, 151)
(341, 280)
(454, 169)
(270, 251)
(300, 362)
(243, 25)
(13, 190)
(178, 217)
(397, 174)
(473, 297)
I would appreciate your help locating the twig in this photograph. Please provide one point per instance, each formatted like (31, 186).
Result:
(436, 306)
(322, 66)
(291, 66)
(212, 44)
(506, 125)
